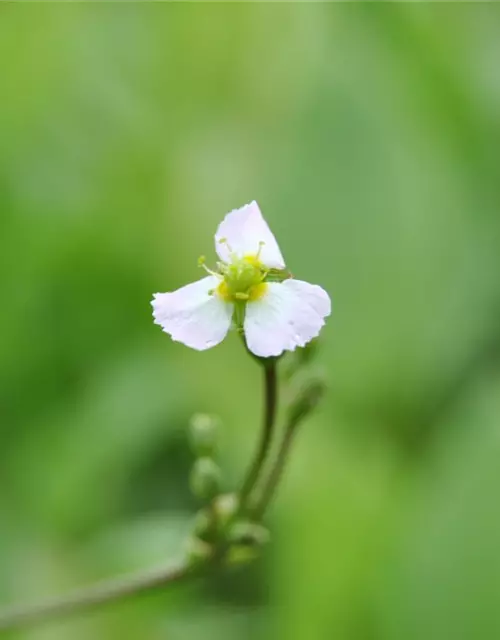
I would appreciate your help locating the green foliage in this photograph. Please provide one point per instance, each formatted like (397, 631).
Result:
(369, 135)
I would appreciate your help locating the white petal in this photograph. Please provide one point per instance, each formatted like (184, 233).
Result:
(289, 315)
(192, 316)
(244, 229)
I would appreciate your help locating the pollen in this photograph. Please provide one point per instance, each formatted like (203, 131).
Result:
(254, 261)
(257, 292)
(223, 292)
(242, 279)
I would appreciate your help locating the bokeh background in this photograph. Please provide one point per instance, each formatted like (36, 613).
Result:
(370, 136)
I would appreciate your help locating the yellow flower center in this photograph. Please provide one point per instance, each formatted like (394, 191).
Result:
(243, 280)
(257, 292)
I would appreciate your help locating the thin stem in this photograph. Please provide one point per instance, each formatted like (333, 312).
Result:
(270, 403)
(96, 595)
(277, 470)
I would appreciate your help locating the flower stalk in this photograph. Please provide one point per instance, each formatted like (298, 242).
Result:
(269, 367)
(306, 395)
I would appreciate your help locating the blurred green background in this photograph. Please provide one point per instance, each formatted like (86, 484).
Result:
(370, 136)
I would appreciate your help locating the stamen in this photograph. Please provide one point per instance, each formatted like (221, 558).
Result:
(224, 241)
(201, 263)
(261, 244)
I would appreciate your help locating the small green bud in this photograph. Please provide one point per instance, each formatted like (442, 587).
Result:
(300, 358)
(205, 478)
(248, 533)
(203, 524)
(225, 507)
(239, 554)
(197, 551)
(306, 392)
(246, 538)
(203, 434)
(308, 353)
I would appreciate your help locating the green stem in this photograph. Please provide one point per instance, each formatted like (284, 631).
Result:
(277, 470)
(96, 595)
(270, 404)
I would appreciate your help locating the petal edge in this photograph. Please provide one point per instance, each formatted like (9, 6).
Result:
(244, 229)
(290, 315)
(193, 316)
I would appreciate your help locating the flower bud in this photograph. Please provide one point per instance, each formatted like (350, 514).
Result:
(197, 551)
(246, 538)
(203, 524)
(300, 358)
(306, 392)
(248, 533)
(240, 554)
(225, 507)
(203, 434)
(205, 478)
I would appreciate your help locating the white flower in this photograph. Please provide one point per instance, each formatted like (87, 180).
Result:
(251, 288)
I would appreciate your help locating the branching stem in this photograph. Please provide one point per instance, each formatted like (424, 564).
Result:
(142, 582)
